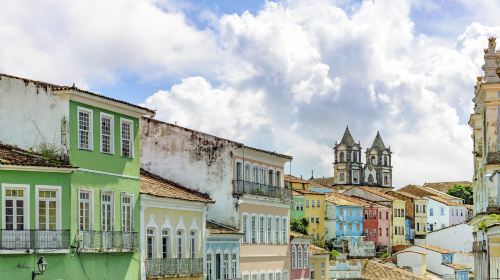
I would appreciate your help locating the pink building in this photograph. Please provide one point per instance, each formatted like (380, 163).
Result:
(299, 246)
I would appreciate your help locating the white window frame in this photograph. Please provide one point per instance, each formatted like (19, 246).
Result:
(168, 252)
(91, 127)
(129, 121)
(284, 230)
(179, 253)
(58, 204)
(277, 233)
(254, 233)
(305, 257)
(234, 264)
(131, 196)
(209, 265)
(299, 255)
(269, 231)
(245, 228)
(262, 229)
(112, 133)
(26, 199)
(91, 207)
(294, 257)
(193, 243)
(153, 246)
(112, 202)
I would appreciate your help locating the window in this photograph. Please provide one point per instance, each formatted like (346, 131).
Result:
(305, 258)
(380, 215)
(254, 229)
(127, 133)
(165, 243)
(277, 231)
(244, 226)
(358, 227)
(192, 244)
(442, 211)
(278, 179)
(307, 203)
(386, 179)
(233, 265)
(341, 226)
(299, 266)
(84, 204)
(342, 177)
(180, 245)
(285, 275)
(225, 265)
(431, 212)
(312, 220)
(386, 231)
(209, 266)
(379, 231)
(15, 208)
(349, 226)
(247, 172)
(387, 215)
(47, 204)
(294, 257)
(341, 157)
(270, 276)
(271, 178)
(84, 129)
(284, 227)
(255, 174)
(269, 230)
(323, 269)
(150, 242)
(317, 220)
(262, 234)
(424, 206)
(262, 276)
(317, 203)
(127, 213)
(278, 276)
(106, 212)
(370, 215)
(106, 133)
(313, 203)
(239, 171)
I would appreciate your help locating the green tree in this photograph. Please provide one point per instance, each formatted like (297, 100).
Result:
(464, 192)
(300, 225)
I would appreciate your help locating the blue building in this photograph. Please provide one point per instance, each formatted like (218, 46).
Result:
(348, 216)
(407, 229)
(222, 260)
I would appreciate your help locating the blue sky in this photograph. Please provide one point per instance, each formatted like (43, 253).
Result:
(286, 76)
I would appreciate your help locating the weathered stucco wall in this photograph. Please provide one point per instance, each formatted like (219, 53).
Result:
(193, 159)
(30, 114)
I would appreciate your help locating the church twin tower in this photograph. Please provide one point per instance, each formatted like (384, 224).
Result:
(349, 170)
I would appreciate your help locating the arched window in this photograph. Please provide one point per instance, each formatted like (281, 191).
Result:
(370, 179)
(300, 257)
(277, 231)
(385, 160)
(341, 156)
(284, 226)
(244, 226)
(285, 275)
(294, 257)
(180, 245)
(306, 258)
(355, 156)
(374, 160)
(192, 244)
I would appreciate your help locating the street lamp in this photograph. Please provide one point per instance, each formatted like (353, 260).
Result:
(42, 265)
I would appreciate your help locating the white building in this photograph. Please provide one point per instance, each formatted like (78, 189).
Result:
(414, 260)
(445, 238)
(342, 268)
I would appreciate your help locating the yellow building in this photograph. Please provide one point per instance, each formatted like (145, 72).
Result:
(296, 183)
(319, 263)
(315, 212)
(173, 229)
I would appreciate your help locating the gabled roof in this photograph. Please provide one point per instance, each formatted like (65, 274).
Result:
(457, 266)
(294, 234)
(378, 144)
(216, 228)
(55, 88)
(373, 270)
(379, 193)
(339, 199)
(13, 156)
(157, 186)
(424, 191)
(365, 202)
(327, 181)
(347, 138)
(444, 201)
(293, 179)
(308, 192)
(407, 194)
(435, 249)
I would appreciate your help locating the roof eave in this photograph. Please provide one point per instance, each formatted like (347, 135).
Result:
(37, 168)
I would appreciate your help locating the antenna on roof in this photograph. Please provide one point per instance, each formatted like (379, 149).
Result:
(312, 174)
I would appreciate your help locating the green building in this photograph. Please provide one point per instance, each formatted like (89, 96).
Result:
(70, 187)
(297, 206)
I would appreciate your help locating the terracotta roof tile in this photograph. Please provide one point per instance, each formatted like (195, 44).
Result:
(445, 186)
(381, 194)
(435, 249)
(216, 228)
(308, 192)
(444, 201)
(294, 234)
(161, 187)
(293, 179)
(315, 250)
(376, 271)
(328, 181)
(10, 155)
(340, 199)
(457, 266)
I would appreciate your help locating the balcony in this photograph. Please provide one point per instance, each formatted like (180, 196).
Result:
(170, 267)
(479, 246)
(34, 239)
(244, 187)
(107, 241)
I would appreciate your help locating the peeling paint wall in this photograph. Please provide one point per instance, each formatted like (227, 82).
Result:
(195, 160)
(38, 115)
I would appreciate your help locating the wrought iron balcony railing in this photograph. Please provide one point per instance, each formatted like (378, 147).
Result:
(245, 187)
(107, 241)
(34, 239)
(171, 266)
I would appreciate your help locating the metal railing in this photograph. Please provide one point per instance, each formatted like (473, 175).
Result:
(92, 240)
(245, 187)
(34, 239)
(172, 266)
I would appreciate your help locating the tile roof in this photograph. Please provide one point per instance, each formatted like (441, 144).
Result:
(308, 192)
(10, 155)
(293, 179)
(444, 201)
(161, 187)
(325, 181)
(379, 193)
(373, 270)
(315, 250)
(407, 194)
(435, 249)
(457, 266)
(410, 251)
(445, 186)
(294, 234)
(365, 202)
(216, 228)
(55, 87)
(423, 191)
(344, 200)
